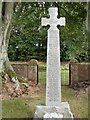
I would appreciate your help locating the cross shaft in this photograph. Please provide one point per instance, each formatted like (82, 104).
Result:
(53, 83)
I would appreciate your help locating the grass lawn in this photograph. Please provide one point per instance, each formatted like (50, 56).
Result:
(25, 107)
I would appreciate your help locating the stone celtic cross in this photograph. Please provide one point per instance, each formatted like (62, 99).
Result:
(53, 82)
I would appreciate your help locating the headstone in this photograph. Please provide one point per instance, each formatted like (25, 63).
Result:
(21, 69)
(33, 70)
(53, 82)
(78, 73)
(73, 61)
(27, 71)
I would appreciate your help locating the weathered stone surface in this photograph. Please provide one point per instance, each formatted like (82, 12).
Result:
(27, 70)
(73, 61)
(79, 72)
(63, 109)
(33, 62)
(53, 84)
(54, 107)
(21, 70)
(53, 116)
(32, 73)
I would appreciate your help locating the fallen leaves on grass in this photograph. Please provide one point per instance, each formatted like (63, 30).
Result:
(25, 89)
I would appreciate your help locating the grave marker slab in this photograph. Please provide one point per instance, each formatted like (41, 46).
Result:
(33, 65)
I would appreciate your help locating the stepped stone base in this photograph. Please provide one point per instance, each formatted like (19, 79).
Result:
(60, 113)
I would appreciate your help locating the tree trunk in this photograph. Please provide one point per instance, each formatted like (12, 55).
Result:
(0, 58)
(89, 18)
(1, 38)
(88, 32)
(6, 12)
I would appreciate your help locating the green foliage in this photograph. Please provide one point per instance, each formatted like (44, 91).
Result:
(42, 68)
(29, 39)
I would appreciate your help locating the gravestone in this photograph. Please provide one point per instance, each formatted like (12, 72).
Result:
(54, 108)
(33, 70)
(79, 73)
(27, 71)
(73, 61)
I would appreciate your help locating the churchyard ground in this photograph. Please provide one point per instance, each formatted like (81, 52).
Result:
(24, 107)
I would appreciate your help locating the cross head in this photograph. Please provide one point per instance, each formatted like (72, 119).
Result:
(53, 21)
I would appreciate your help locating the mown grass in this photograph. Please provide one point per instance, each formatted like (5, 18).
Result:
(64, 74)
(25, 107)
(78, 104)
(19, 107)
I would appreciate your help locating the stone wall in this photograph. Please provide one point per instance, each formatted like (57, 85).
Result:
(26, 71)
(78, 72)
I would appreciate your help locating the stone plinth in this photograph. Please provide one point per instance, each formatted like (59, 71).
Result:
(53, 116)
(63, 110)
